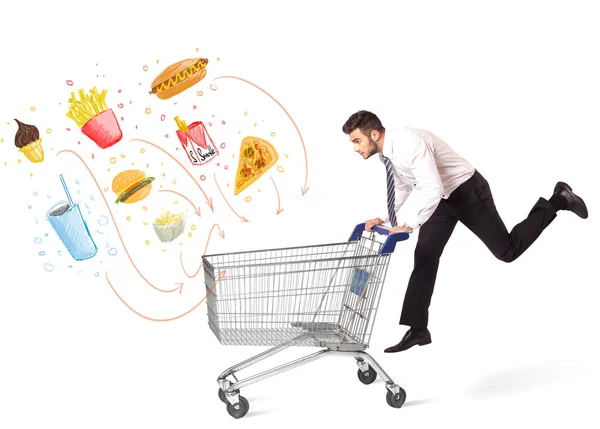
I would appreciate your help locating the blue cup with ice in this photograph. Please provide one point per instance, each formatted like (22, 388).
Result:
(68, 222)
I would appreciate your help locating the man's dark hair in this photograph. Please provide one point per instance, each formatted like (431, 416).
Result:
(364, 121)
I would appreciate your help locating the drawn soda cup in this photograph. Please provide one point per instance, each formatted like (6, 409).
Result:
(71, 228)
(67, 220)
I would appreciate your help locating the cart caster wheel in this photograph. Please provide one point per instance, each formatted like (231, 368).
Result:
(222, 396)
(238, 410)
(367, 377)
(396, 401)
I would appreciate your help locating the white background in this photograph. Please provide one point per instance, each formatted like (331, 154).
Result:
(513, 87)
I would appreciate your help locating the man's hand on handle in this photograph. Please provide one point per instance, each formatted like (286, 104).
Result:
(371, 223)
(399, 229)
(378, 221)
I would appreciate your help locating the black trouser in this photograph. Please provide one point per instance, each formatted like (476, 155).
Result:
(472, 204)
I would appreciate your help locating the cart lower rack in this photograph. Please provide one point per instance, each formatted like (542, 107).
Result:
(317, 296)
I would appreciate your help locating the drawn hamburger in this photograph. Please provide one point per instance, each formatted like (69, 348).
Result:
(178, 77)
(131, 186)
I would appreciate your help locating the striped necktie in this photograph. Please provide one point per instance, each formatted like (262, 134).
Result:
(391, 192)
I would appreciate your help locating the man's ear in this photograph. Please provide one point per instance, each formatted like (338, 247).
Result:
(375, 135)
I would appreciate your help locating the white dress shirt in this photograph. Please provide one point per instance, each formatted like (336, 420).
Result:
(424, 162)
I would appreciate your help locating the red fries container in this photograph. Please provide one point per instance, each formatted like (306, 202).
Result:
(103, 129)
(197, 143)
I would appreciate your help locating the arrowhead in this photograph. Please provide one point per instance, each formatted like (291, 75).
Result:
(244, 219)
(305, 190)
(180, 286)
(210, 204)
(197, 211)
(279, 211)
(222, 234)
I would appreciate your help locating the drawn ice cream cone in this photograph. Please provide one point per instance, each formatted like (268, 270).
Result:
(34, 151)
(28, 141)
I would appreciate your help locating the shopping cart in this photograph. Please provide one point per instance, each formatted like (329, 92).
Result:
(318, 296)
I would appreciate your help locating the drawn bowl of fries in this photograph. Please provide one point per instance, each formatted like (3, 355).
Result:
(169, 226)
(95, 119)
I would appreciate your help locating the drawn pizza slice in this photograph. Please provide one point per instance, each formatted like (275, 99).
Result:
(256, 157)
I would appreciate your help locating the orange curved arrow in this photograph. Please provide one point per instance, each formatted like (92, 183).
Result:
(208, 200)
(220, 276)
(116, 227)
(196, 208)
(279, 209)
(305, 187)
(221, 233)
(223, 195)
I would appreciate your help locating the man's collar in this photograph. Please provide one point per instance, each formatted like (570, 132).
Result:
(388, 146)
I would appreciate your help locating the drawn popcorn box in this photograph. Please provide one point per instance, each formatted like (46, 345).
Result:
(196, 142)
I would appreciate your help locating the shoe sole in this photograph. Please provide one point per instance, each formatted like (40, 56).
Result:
(423, 343)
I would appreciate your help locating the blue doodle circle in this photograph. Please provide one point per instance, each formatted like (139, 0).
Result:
(48, 267)
(97, 274)
(112, 251)
(42, 253)
(35, 194)
(37, 240)
(102, 220)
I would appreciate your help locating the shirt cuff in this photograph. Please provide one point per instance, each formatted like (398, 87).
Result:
(415, 223)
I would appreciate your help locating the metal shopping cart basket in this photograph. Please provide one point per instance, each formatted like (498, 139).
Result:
(318, 296)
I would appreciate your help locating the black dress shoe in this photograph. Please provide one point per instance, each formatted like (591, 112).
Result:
(411, 339)
(574, 203)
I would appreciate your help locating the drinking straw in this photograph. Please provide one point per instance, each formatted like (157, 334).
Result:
(66, 190)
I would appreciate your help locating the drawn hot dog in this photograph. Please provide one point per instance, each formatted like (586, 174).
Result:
(178, 77)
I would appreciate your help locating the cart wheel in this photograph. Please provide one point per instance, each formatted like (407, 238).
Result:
(238, 410)
(368, 376)
(396, 401)
(222, 395)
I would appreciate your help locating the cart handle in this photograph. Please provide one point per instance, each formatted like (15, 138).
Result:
(390, 242)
